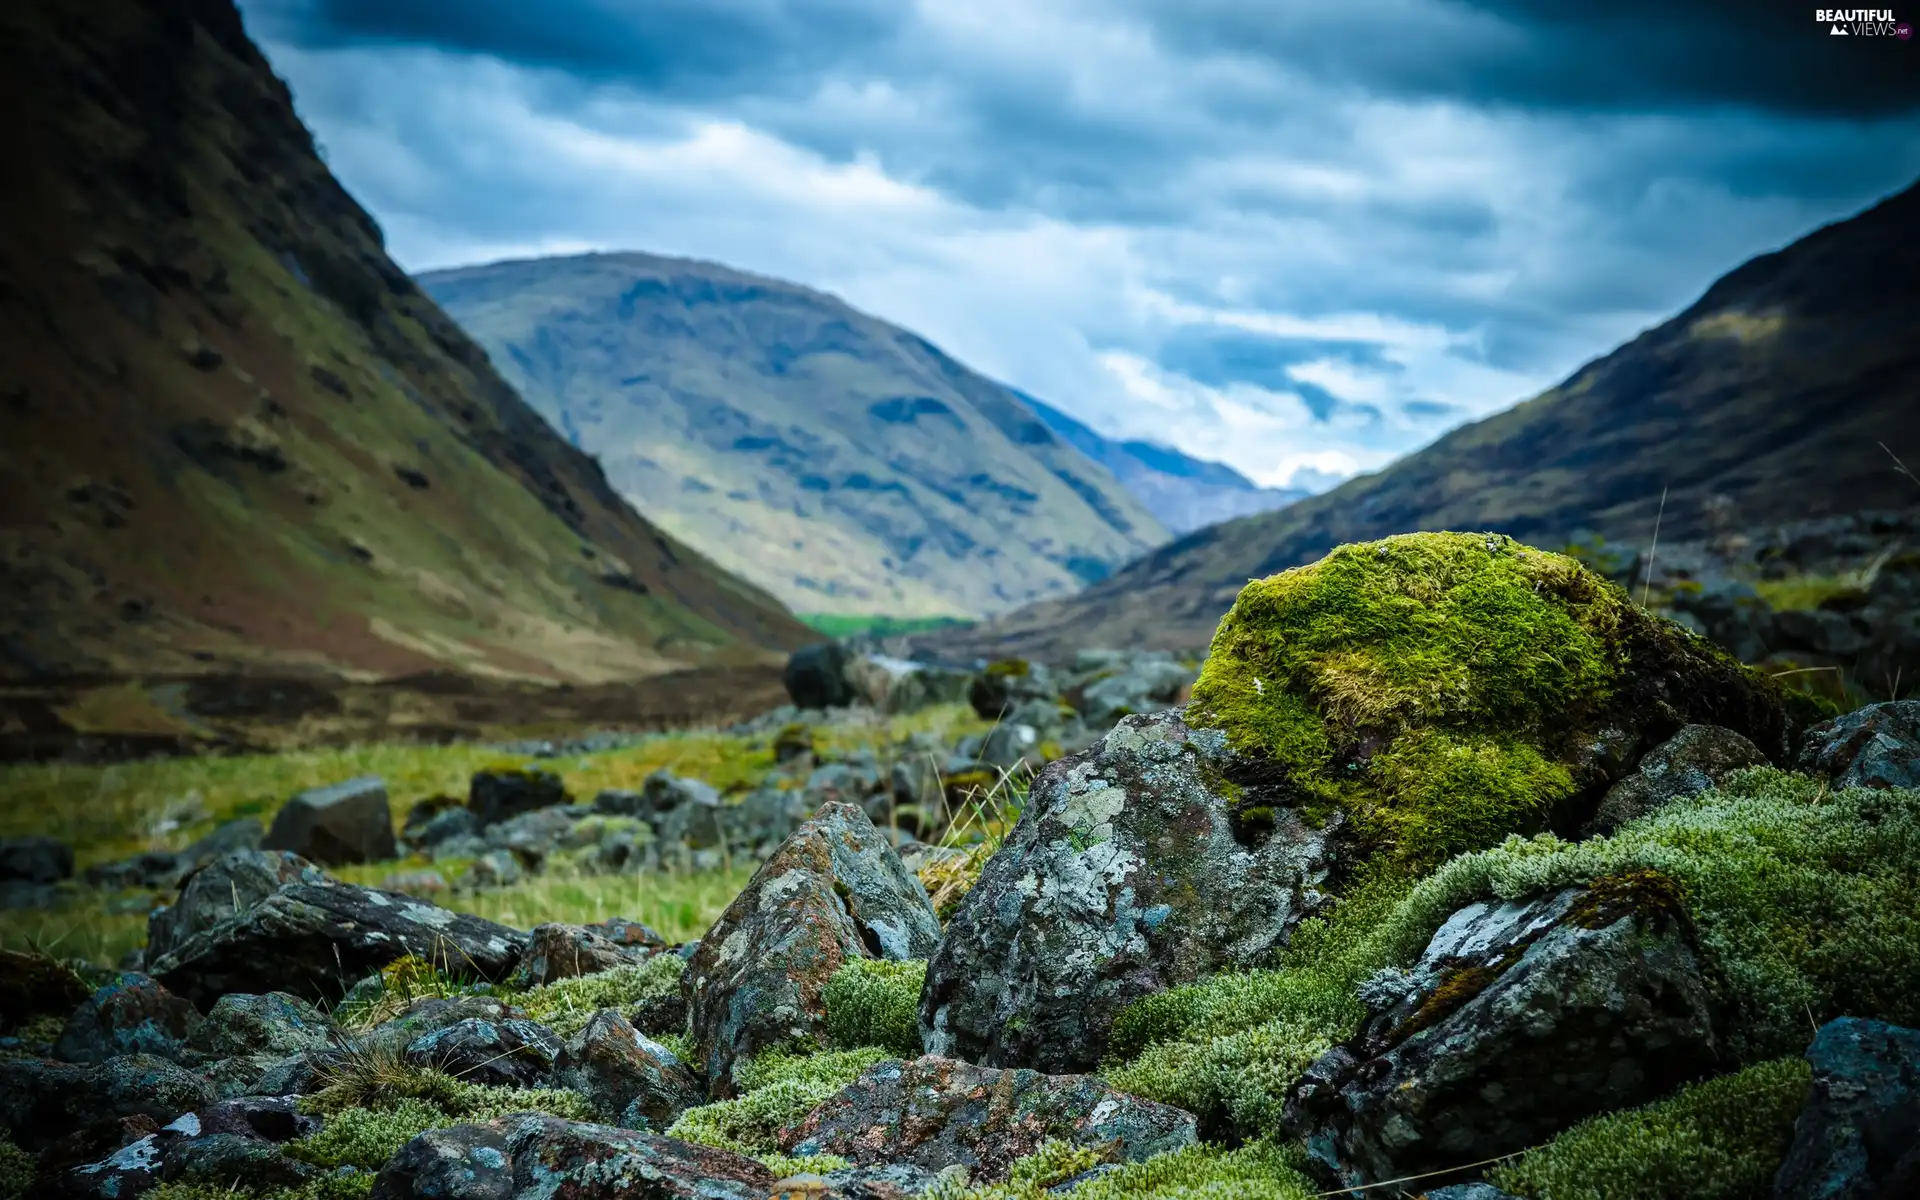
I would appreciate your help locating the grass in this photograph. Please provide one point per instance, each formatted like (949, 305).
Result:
(843, 625)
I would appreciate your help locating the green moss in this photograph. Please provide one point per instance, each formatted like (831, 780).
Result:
(1257, 1171)
(777, 1090)
(812, 1164)
(1009, 667)
(872, 1002)
(1430, 685)
(1719, 1140)
(345, 1185)
(16, 1169)
(566, 1005)
(368, 1133)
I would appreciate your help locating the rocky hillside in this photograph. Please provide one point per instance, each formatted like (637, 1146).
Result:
(1186, 493)
(842, 463)
(239, 438)
(1775, 391)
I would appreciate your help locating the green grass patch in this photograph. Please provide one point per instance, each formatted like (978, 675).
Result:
(846, 625)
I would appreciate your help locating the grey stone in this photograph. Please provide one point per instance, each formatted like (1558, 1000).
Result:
(41, 1100)
(494, 869)
(1518, 1021)
(494, 796)
(1127, 873)
(556, 951)
(1877, 746)
(35, 859)
(832, 892)
(229, 885)
(465, 1162)
(630, 1079)
(1005, 685)
(348, 822)
(1859, 1136)
(514, 1052)
(132, 1015)
(935, 1113)
(1690, 762)
(816, 676)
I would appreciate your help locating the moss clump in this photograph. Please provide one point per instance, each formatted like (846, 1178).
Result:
(566, 1005)
(365, 1131)
(1009, 668)
(1718, 1140)
(1257, 1171)
(341, 1185)
(16, 1169)
(777, 1090)
(1435, 686)
(812, 1164)
(871, 1002)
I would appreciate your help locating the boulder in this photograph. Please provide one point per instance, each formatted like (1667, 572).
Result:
(41, 1100)
(630, 1079)
(104, 1161)
(345, 823)
(556, 951)
(35, 860)
(1877, 746)
(533, 837)
(816, 676)
(528, 1154)
(1144, 684)
(433, 1013)
(1008, 683)
(698, 823)
(899, 685)
(224, 888)
(833, 891)
(1518, 1021)
(494, 869)
(170, 868)
(438, 827)
(132, 1015)
(514, 1052)
(935, 1113)
(1130, 871)
(1686, 764)
(312, 939)
(1859, 1136)
(497, 795)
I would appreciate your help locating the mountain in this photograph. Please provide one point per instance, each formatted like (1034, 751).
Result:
(240, 438)
(1782, 390)
(842, 463)
(1184, 492)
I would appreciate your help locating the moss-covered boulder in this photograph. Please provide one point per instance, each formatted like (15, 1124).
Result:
(1447, 689)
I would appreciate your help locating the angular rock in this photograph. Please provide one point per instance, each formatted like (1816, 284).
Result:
(132, 1015)
(535, 836)
(1690, 762)
(631, 936)
(1877, 746)
(270, 1118)
(433, 1013)
(228, 885)
(494, 869)
(512, 1053)
(130, 1154)
(495, 796)
(347, 822)
(630, 1079)
(219, 1159)
(1006, 684)
(816, 677)
(1859, 1136)
(935, 1113)
(1518, 1021)
(274, 1025)
(441, 827)
(41, 1100)
(547, 1156)
(35, 860)
(833, 891)
(556, 951)
(899, 685)
(171, 868)
(465, 1162)
(1129, 872)
(312, 939)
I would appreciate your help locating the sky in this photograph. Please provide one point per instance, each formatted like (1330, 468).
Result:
(1301, 238)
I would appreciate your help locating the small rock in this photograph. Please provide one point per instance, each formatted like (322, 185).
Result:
(1690, 762)
(816, 677)
(35, 860)
(833, 891)
(495, 796)
(1008, 683)
(535, 836)
(1877, 746)
(494, 869)
(511, 1053)
(1859, 1136)
(346, 823)
(229, 885)
(937, 1112)
(1518, 1021)
(422, 882)
(629, 935)
(630, 1079)
(132, 1015)
(564, 951)
(216, 1160)
(442, 827)
(41, 1100)
(465, 1162)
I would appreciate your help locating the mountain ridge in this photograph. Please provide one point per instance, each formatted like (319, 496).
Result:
(1780, 389)
(845, 463)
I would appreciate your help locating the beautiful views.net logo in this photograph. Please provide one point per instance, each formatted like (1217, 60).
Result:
(1863, 22)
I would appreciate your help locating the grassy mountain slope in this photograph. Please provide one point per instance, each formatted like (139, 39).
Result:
(240, 438)
(842, 463)
(1184, 492)
(1774, 390)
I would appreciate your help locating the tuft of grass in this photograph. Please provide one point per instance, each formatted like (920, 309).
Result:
(1719, 1140)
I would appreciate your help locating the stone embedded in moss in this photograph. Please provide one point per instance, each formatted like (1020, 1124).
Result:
(1440, 687)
